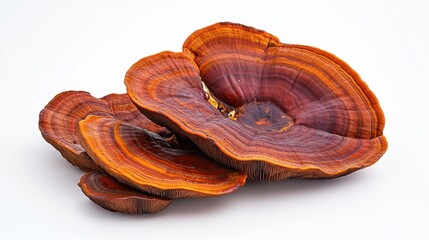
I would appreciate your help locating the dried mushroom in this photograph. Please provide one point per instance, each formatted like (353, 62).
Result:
(148, 162)
(270, 109)
(110, 194)
(235, 104)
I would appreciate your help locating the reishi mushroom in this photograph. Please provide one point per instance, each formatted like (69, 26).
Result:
(59, 124)
(58, 121)
(235, 104)
(110, 194)
(270, 109)
(148, 162)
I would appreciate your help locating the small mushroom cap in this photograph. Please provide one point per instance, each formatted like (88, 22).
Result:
(110, 194)
(58, 121)
(270, 109)
(148, 162)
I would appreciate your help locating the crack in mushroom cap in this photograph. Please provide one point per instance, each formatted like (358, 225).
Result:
(146, 161)
(58, 121)
(327, 122)
(107, 192)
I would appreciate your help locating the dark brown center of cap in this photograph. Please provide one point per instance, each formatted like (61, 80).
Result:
(264, 116)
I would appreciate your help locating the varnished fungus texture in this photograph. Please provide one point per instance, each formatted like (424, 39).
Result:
(124, 110)
(241, 65)
(110, 194)
(148, 162)
(58, 121)
(293, 111)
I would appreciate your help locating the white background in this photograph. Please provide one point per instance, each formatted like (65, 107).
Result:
(47, 47)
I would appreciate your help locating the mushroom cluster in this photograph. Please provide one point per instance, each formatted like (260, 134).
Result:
(235, 104)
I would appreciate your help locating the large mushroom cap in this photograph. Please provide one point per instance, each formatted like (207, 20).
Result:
(148, 162)
(270, 109)
(58, 121)
(110, 194)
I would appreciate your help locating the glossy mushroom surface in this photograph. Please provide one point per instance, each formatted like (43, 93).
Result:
(146, 161)
(58, 121)
(110, 194)
(270, 109)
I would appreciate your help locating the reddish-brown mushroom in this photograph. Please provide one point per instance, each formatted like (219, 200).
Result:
(270, 109)
(110, 194)
(58, 121)
(148, 162)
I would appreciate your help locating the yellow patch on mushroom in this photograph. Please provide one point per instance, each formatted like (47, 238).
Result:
(209, 97)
